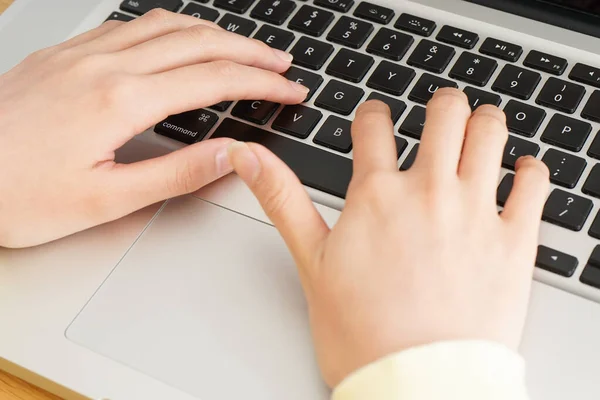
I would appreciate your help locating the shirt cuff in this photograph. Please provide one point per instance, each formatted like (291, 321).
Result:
(465, 370)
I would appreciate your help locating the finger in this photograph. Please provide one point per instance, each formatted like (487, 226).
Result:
(90, 35)
(199, 44)
(526, 201)
(283, 198)
(201, 85)
(373, 139)
(153, 24)
(444, 133)
(181, 172)
(483, 149)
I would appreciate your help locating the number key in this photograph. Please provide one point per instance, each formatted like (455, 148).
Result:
(474, 69)
(390, 44)
(237, 6)
(350, 32)
(273, 11)
(431, 56)
(561, 95)
(517, 82)
(310, 20)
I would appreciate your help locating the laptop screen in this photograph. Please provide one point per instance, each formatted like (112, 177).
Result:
(577, 15)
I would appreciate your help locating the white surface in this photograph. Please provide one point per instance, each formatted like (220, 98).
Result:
(42, 289)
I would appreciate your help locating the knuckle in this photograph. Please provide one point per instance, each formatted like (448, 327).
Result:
(117, 91)
(201, 33)
(39, 55)
(158, 15)
(183, 181)
(225, 68)
(276, 198)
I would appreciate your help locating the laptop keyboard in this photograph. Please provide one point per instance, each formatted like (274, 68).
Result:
(342, 47)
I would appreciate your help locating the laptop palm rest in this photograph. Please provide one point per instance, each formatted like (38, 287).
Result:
(208, 301)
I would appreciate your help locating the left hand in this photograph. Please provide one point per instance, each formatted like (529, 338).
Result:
(65, 110)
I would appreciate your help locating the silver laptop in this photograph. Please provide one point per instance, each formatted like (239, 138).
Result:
(197, 298)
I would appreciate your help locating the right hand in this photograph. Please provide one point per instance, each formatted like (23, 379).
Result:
(417, 257)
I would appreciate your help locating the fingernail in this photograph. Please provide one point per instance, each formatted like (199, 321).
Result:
(247, 164)
(300, 88)
(287, 57)
(224, 167)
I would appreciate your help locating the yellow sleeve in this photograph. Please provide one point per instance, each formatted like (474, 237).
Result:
(463, 370)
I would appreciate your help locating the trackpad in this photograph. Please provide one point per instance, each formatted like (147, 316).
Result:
(207, 301)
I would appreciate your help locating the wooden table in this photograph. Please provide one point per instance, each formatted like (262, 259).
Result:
(11, 387)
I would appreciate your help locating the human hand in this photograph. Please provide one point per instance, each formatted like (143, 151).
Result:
(416, 257)
(66, 109)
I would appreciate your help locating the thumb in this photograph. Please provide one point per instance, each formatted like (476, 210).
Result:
(181, 172)
(282, 197)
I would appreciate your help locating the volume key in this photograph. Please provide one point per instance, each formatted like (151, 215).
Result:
(586, 74)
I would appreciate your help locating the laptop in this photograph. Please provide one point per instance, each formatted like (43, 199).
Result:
(197, 297)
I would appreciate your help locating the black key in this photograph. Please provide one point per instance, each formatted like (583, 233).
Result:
(595, 228)
(316, 168)
(565, 169)
(350, 65)
(311, 53)
(594, 150)
(397, 107)
(339, 97)
(586, 74)
(556, 261)
(390, 44)
(458, 37)
(591, 110)
(517, 82)
(479, 97)
(308, 79)
(350, 32)
(523, 119)
(474, 69)
(410, 159)
(310, 20)
(505, 189)
(239, 25)
(341, 5)
(561, 95)
(375, 13)
(414, 24)
(516, 148)
(591, 275)
(401, 145)
(592, 184)
(274, 37)
(427, 86)
(431, 56)
(297, 120)
(237, 6)
(257, 111)
(222, 106)
(140, 7)
(391, 78)
(595, 257)
(117, 16)
(567, 210)
(188, 127)
(335, 134)
(201, 12)
(273, 11)
(546, 62)
(566, 132)
(499, 49)
(414, 123)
